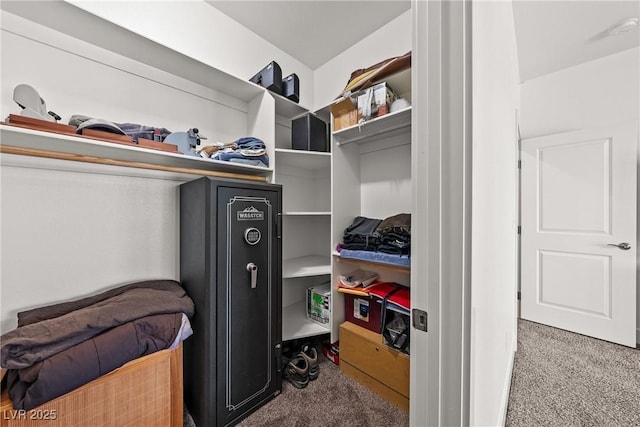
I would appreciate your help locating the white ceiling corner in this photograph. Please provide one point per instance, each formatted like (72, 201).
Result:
(550, 35)
(312, 31)
(554, 35)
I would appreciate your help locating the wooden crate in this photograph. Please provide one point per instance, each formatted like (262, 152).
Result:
(144, 392)
(364, 357)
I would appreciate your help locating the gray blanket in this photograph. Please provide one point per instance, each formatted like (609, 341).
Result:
(37, 341)
(28, 317)
(84, 362)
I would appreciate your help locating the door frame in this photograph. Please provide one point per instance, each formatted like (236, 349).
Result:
(441, 211)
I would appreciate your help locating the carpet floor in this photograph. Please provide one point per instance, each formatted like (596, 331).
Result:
(565, 379)
(559, 379)
(332, 400)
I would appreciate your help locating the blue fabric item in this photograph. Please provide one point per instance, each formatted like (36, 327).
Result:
(379, 257)
(250, 142)
(396, 307)
(233, 155)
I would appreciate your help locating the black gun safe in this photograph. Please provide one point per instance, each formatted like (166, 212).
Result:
(230, 262)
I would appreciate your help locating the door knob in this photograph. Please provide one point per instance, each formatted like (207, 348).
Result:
(624, 246)
(253, 269)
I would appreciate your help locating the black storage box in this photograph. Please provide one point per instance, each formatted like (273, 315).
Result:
(309, 133)
(291, 87)
(269, 77)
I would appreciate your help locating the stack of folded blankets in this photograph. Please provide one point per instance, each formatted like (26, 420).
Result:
(390, 238)
(58, 348)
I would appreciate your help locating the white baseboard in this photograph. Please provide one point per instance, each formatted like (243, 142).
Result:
(507, 385)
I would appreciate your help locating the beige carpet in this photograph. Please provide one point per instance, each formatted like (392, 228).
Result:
(559, 379)
(565, 379)
(332, 400)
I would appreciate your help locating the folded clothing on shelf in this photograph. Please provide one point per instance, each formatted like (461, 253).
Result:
(391, 235)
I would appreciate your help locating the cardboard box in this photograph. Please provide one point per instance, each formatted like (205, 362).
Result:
(363, 311)
(319, 303)
(375, 101)
(344, 113)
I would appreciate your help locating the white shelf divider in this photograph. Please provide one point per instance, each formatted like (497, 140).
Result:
(295, 323)
(306, 266)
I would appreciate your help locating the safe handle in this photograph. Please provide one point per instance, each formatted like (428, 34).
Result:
(253, 269)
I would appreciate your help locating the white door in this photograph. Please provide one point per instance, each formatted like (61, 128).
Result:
(578, 201)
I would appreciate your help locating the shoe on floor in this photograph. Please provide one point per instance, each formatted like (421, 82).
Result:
(311, 356)
(297, 371)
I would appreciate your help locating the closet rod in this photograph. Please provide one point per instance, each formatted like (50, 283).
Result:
(124, 163)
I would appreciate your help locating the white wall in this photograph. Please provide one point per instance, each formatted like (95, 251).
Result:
(66, 234)
(74, 77)
(597, 93)
(494, 220)
(69, 233)
(201, 31)
(69, 229)
(393, 39)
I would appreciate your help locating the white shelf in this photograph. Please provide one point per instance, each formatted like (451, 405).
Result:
(302, 159)
(307, 213)
(372, 264)
(398, 120)
(296, 325)
(324, 113)
(287, 108)
(78, 145)
(306, 266)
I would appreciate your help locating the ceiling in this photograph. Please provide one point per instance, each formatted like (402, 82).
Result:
(550, 35)
(553, 35)
(312, 31)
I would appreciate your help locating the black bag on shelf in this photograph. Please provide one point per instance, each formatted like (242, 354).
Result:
(269, 77)
(291, 88)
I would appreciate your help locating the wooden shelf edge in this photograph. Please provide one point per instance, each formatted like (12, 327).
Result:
(33, 152)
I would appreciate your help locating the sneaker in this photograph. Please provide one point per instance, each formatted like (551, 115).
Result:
(297, 372)
(310, 354)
